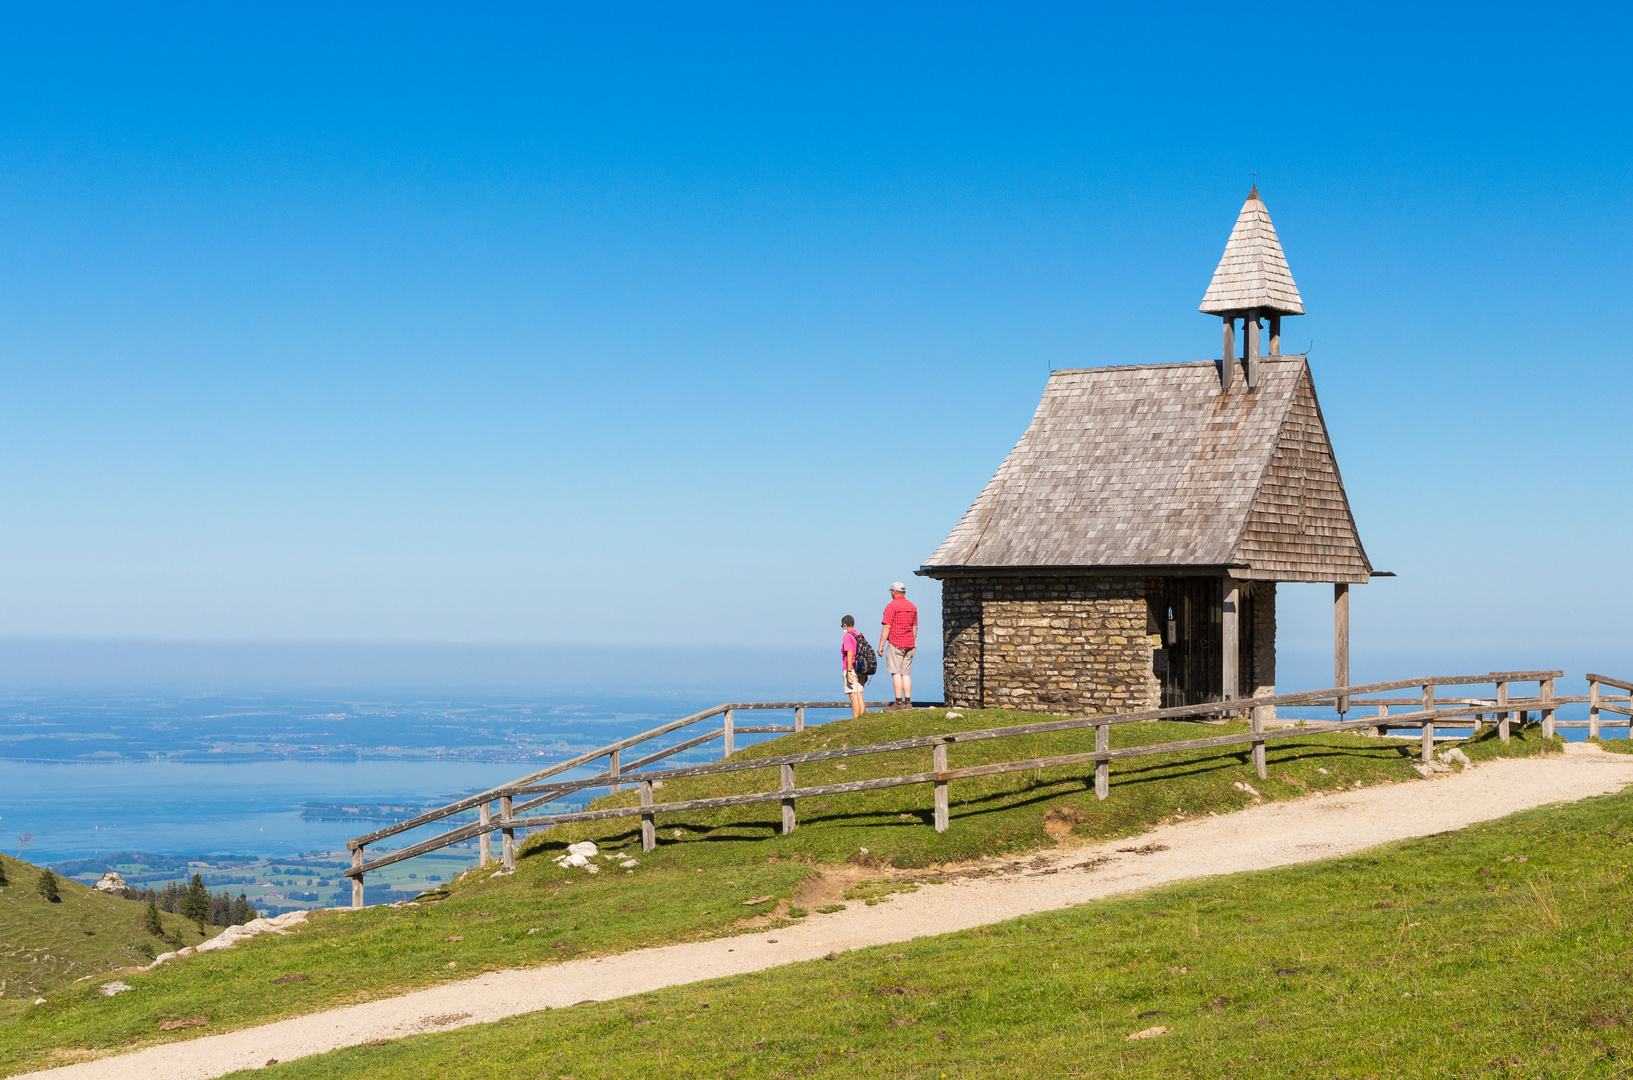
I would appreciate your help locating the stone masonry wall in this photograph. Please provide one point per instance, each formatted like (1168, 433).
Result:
(1048, 644)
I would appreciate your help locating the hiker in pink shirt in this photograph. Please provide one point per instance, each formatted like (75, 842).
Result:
(847, 660)
(898, 636)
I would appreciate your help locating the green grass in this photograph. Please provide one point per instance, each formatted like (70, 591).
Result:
(1614, 746)
(1502, 950)
(46, 947)
(693, 886)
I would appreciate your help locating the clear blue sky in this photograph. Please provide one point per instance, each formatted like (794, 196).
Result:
(660, 324)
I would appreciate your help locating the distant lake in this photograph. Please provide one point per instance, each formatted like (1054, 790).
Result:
(88, 775)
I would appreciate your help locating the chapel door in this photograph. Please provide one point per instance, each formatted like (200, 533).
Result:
(1191, 620)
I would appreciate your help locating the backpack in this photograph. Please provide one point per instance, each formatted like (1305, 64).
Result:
(866, 662)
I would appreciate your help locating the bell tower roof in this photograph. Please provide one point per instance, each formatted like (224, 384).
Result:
(1253, 273)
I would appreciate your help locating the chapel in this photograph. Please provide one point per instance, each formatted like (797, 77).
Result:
(1126, 553)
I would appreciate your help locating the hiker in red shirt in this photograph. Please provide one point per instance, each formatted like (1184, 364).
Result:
(898, 633)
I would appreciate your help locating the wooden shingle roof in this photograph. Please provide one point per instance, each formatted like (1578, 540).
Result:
(1253, 272)
(1155, 466)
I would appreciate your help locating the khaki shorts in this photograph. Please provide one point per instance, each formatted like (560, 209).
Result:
(899, 661)
(853, 685)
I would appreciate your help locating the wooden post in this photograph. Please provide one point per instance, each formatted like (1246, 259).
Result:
(357, 882)
(1251, 325)
(1227, 365)
(1340, 641)
(1593, 710)
(788, 821)
(1502, 717)
(1275, 334)
(799, 718)
(484, 814)
(1546, 686)
(938, 762)
(612, 767)
(507, 848)
(1258, 747)
(1428, 724)
(730, 746)
(649, 825)
(1229, 658)
(1102, 769)
(1382, 729)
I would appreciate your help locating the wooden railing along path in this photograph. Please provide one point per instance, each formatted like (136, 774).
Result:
(1429, 713)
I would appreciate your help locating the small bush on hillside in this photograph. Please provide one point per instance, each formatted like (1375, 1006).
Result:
(3, 881)
(151, 923)
(48, 887)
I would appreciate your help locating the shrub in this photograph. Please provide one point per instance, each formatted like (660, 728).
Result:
(151, 921)
(48, 887)
(3, 881)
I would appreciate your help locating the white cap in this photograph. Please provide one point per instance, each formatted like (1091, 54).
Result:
(897, 586)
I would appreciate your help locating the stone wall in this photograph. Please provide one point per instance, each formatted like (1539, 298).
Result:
(1049, 644)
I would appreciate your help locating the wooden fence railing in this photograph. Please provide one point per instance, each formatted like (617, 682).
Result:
(1425, 712)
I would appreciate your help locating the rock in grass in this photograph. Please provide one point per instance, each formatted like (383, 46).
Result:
(1148, 1033)
(111, 882)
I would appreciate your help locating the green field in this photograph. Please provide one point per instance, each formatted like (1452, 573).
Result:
(1502, 950)
(693, 886)
(275, 885)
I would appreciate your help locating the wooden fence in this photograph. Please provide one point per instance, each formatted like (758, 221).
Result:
(1425, 712)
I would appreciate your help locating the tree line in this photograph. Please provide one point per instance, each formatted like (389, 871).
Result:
(196, 903)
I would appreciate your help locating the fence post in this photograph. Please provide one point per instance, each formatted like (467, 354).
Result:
(484, 814)
(1502, 717)
(1593, 709)
(1547, 688)
(649, 825)
(1258, 745)
(799, 718)
(788, 821)
(1102, 769)
(507, 846)
(357, 881)
(1477, 719)
(612, 769)
(730, 746)
(1381, 729)
(1428, 722)
(938, 759)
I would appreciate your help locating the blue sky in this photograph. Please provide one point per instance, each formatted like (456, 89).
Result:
(678, 326)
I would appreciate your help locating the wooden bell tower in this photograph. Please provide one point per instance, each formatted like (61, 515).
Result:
(1254, 285)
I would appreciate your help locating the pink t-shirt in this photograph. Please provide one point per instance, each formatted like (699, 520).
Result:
(848, 647)
(903, 619)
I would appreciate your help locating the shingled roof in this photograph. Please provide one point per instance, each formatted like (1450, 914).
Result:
(1253, 271)
(1155, 466)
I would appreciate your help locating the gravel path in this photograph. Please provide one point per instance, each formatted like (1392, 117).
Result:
(1269, 835)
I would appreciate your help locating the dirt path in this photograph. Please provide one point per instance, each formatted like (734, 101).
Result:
(1261, 837)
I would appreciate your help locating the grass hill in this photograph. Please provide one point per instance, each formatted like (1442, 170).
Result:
(45, 947)
(707, 864)
(1501, 950)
